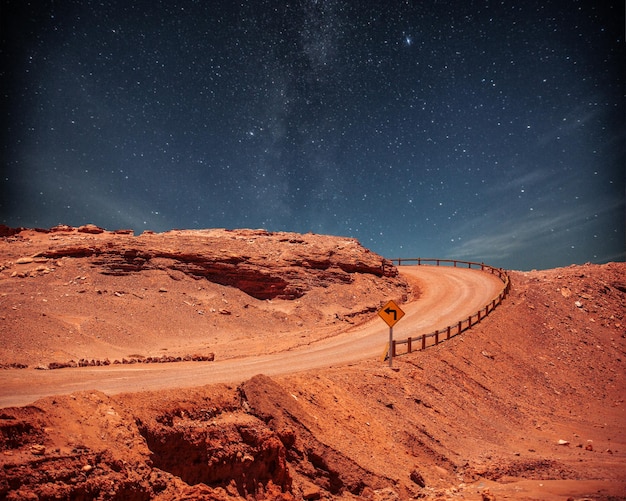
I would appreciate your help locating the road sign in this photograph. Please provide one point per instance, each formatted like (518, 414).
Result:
(391, 313)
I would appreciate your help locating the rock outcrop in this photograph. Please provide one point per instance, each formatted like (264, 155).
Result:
(265, 265)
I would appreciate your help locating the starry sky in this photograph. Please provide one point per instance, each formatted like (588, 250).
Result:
(482, 130)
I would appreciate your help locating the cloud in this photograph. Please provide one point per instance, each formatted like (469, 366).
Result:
(527, 181)
(532, 240)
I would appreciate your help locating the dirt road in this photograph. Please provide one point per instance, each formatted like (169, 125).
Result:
(447, 295)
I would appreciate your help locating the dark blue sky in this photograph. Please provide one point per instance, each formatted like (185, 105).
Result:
(482, 130)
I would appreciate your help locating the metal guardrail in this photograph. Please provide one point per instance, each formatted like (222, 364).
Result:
(434, 338)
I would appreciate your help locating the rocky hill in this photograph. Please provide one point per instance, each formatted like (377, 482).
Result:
(72, 294)
(528, 404)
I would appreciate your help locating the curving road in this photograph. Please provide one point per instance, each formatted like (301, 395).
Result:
(447, 295)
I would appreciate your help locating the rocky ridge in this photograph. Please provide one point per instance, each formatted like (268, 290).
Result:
(265, 265)
(104, 292)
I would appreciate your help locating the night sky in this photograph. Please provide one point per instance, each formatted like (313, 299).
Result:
(481, 130)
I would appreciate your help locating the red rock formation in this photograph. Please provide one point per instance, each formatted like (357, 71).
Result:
(263, 264)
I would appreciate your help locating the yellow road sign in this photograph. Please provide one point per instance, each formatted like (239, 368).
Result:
(391, 313)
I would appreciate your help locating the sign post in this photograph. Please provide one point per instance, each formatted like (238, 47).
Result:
(390, 354)
(391, 313)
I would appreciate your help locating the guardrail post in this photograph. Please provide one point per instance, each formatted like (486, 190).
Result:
(408, 344)
(423, 342)
(437, 336)
(448, 333)
(460, 325)
(469, 322)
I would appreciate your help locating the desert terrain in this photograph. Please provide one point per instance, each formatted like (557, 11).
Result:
(217, 364)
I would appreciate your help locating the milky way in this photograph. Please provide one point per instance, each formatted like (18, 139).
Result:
(480, 130)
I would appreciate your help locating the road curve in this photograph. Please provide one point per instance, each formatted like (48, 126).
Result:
(448, 294)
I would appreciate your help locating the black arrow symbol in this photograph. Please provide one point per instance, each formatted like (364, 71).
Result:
(388, 311)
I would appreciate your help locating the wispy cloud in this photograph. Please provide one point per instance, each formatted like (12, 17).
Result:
(526, 239)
